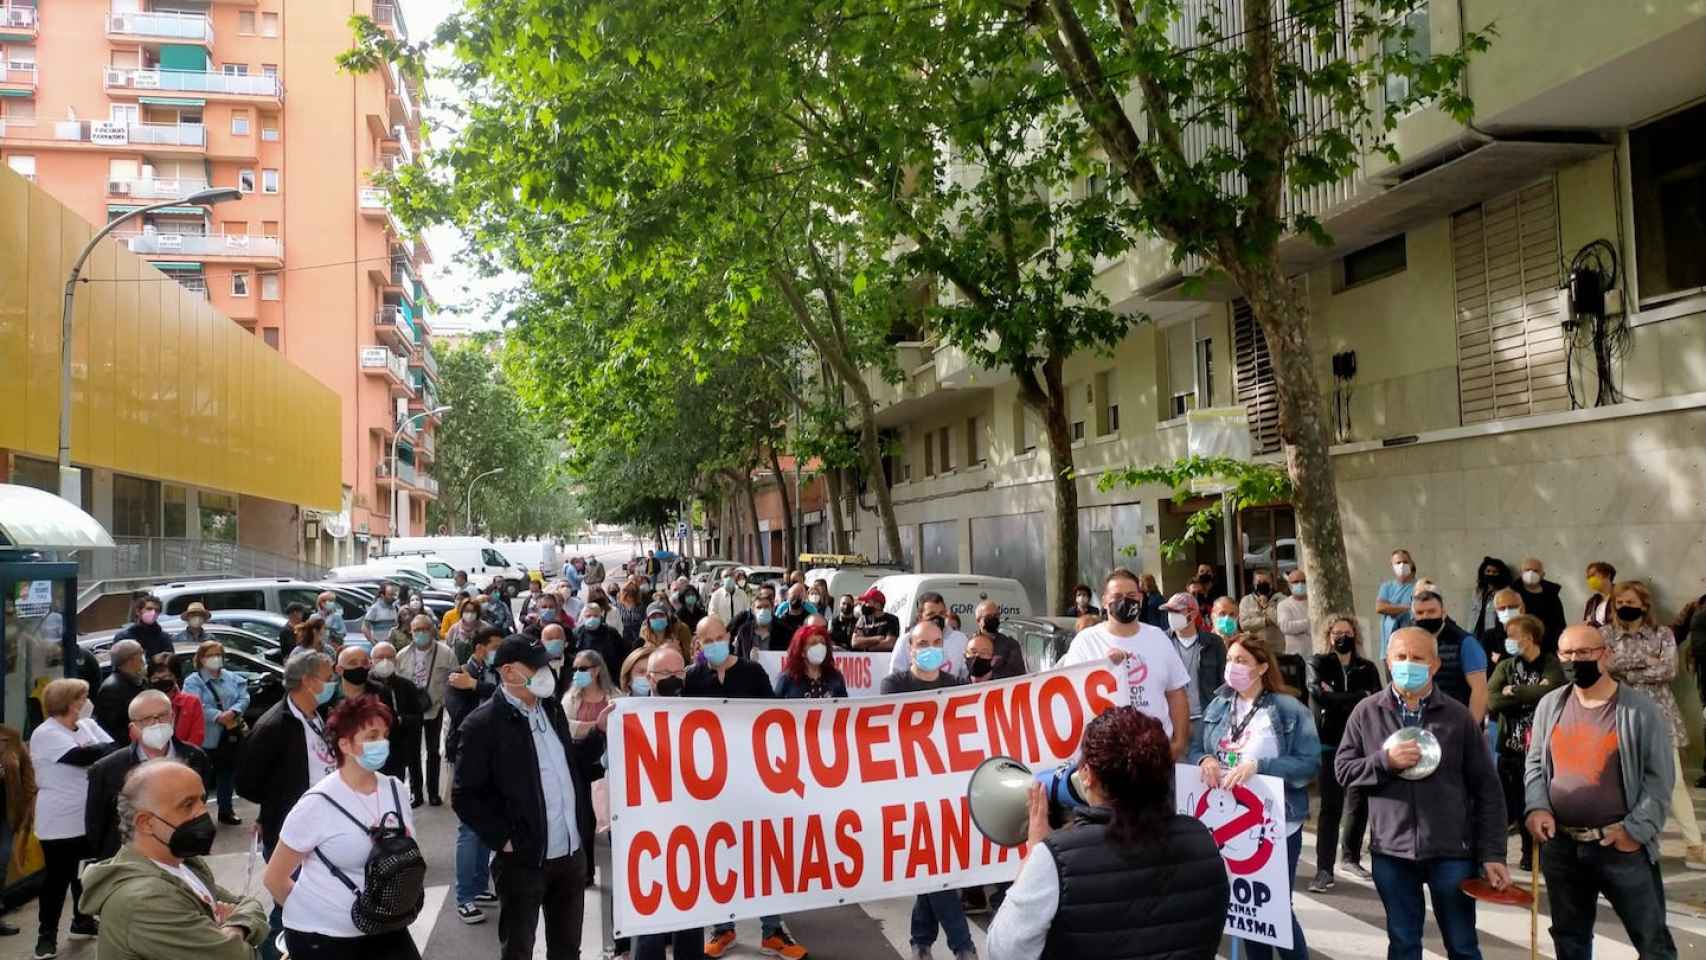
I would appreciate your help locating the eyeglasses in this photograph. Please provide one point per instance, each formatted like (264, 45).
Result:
(1585, 654)
(152, 719)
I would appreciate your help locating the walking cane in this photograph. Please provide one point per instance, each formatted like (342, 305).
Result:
(1534, 911)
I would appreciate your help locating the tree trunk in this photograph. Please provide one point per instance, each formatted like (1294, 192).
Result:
(1052, 407)
(792, 547)
(837, 525)
(1315, 499)
(755, 553)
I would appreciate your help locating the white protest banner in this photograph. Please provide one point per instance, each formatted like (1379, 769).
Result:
(1248, 823)
(723, 809)
(862, 672)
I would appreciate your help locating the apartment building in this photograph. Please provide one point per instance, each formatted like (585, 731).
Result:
(1473, 423)
(114, 104)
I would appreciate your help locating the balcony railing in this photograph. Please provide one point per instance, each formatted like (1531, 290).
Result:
(391, 317)
(387, 15)
(20, 71)
(175, 26)
(204, 245)
(144, 560)
(155, 189)
(403, 274)
(109, 133)
(192, 81)
(381, 359)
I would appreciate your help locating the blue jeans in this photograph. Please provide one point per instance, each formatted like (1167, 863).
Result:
(1400, 883)
(770, 925)
(1299, 949)
(942, 907)
(473, 865)
(1577, 873)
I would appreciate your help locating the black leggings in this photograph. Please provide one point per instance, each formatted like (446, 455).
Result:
(396, 945)
(58, 874)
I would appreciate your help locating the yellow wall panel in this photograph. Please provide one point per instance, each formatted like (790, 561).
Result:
(164, 386)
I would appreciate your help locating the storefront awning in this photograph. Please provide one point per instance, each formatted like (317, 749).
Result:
(32, 519)
(187, 266)
(179, 211)
(16, 92)
(174, 101)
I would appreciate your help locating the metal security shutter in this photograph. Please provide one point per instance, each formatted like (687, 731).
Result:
(1510, 348)
(1255, 381)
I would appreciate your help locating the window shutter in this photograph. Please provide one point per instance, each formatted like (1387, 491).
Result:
(1510, 346)
(1256, 388)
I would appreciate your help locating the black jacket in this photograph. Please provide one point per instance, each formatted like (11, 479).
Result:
(459, 703)
(1548, 606)
(497, 790)
(112, 704)
(607, 642)
(1336, 690)
(745, 680)
(272, 770)
(106, 776)
(153, 639)
(1166, 900)
(1450, 677)
(408, 706)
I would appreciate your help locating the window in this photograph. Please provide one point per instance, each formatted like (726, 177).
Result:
(246, 22)
(23, 163)
(239, 283)
(1107, 405)
(1377, 262)
(945, 448)
(235, 69)
(269, 70)
(269, 127)
(239, 123)
(1667, 172)
(929, 454)
(1415, 48)
(1024, 428)
(246, 181)
(1254, 371)
(234, 228)
(174, 507)
(269, 335)
(976, 445)
(269, 180)
(269, 286)
(1181, 393)
(269, 24)
(1077, 431)
(269, 228)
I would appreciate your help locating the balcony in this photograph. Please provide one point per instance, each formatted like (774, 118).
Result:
(18, 20)
(402, 104)
(155, 189)
(395, 327)
(426, 362)
(160, 26)
(213, 246)
(372, 202)
(383, 363)
(122, 80)
(426, 446)
(18, 75)
(387, 15)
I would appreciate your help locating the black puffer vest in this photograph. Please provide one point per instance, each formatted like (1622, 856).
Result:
(1450, 678)
(1165, 901)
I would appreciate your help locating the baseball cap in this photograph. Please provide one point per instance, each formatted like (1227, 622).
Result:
(520, 648)
(873, 595)
(657, 609)
(1180, 603)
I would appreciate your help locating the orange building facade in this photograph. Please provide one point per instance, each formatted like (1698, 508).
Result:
(113, 104)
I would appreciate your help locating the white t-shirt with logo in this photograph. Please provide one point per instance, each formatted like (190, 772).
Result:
(320, 903)
(1152, 666)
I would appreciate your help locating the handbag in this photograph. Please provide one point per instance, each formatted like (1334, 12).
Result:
(238, 730)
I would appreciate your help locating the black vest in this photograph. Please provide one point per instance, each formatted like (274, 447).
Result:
(1450, 678)
(1165, 901)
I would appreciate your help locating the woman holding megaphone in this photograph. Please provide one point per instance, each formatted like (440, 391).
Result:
(1127, 876)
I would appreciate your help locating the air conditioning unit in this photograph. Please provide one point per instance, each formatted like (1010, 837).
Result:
(119, 188)
(117, 76)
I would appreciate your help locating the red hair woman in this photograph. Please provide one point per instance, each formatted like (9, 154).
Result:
(808, 670)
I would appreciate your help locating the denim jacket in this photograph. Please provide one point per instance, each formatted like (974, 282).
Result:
(1299, 759)
(227, 692)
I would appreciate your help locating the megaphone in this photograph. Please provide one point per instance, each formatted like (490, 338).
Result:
(999, 797)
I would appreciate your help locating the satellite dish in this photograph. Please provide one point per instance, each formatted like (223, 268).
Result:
(337, 527)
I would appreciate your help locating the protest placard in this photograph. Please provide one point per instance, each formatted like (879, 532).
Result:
(1248, 823)
(726, 809)
(862, 672)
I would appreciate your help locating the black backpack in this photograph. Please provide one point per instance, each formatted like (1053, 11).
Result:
(394, 889)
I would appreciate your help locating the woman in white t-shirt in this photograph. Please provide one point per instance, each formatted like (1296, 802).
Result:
(61, 750)
(317, 904)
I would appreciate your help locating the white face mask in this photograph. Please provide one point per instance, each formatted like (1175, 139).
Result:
(213, 664)
(542, 684)
(156, 736)
(1507, 614)
(1531, 577)
(1401, 569)
(817, 653)
(1177, 621)
(383, 668)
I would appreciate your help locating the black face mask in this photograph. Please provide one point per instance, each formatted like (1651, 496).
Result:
(1431, 624)
(991, 625)
(870, 611)
(1264, 589)
(165, 685)
(1582, 673)
(979, 666)
(1125, 609)
(1344, 644)
(1630, 614)
(1206, 579)
(356, 676)
(941, 623)
(670, 687)
(192, 838)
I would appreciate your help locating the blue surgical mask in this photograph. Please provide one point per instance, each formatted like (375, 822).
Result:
(548, 615)
(1410, 676)
(810, 606)
(716, 652)
(640, 687)
(929, 658)
(593, 623)
(764, 616)
(554, 648)
(374, 753)
(491, 655)
(423, 638)
(659, 624)
(325, 695)
(1512, 647)
(582, 679)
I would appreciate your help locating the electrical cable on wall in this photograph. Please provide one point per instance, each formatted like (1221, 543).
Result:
(1592, 275)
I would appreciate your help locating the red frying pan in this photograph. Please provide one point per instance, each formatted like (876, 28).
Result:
(1513, 896)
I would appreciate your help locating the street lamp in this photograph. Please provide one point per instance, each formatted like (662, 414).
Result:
(435, 411)
(70, 483)
(470, 508)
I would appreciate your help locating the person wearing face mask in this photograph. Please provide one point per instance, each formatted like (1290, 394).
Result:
(408, 707)
(1154, 673)
(151, 736)
(1491, 577)
(1293, 615)
(590, 692)
(1340, 679)
(754, 631)
(1541, 598)
(663, 674)
(1258, 611)
(460, 636)
(1643, 656)
(730, 599)
(195, 626)
(188, 723)
(1083, 603)
(808, 671)
(1223, 618)
(595, 635)
(1526, 674)
(791, 615)
(128, 678)
(550, 613)
(876, 629)
(1600, 577)
(524, 790)
(381, 615)
(1462, 673)
(1393, 600)
(294, 615)
(1598, 778)
(144, 627)
(1003, 657)
(1435, 832)
(157, 898)
(469, 686)
(62, 749)
(427, 663)
(931, 606)
(1256, 725)
(224, 699)
(842, 624)
(659, 630)
(320, 864)
(1203, 655)
(690, 608)
(332, 612)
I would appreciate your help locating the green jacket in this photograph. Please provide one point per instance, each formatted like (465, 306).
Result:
(148, 914)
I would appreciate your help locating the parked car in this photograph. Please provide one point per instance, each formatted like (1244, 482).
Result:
(1044, 639)
(1281, 555)
(541, 555)
(756, 576)
(272, 594)
(264, 677)
(432, 571)
(853, 578)
(709, 574)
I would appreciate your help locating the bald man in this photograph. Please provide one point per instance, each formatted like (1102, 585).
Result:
(156, 898)
(927, 662)
(723, 672)
(1434, 832)
(151, 725)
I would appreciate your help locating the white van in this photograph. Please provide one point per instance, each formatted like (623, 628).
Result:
(853, 579)
(963, 594)
(434, 568)
(540, 555)
(475, 556)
